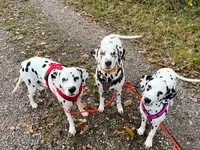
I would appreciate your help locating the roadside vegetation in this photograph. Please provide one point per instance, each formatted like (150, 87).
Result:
(170, 29)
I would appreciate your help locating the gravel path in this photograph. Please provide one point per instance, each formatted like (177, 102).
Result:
(17, 118)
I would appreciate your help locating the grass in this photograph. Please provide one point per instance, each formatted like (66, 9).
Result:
(170, 31)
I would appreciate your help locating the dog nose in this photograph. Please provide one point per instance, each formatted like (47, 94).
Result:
(147, 100)
(108, 63)
(72, 89)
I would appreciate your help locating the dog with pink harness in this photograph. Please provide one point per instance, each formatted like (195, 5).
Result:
(66, 83)
(158, 92)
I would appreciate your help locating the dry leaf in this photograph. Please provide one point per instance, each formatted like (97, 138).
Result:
(30, 130)
(43, 43)
(86, 147)
(85, 56)
(121, 133)
(20, 37)
(84, 104)
(150, 59)
(82, 123)
(128, 102)
(129, 131)
(188, 142)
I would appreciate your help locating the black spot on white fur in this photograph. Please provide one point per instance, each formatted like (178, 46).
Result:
(44, 65)
(76, 78)
(29, 81)
(27, 66)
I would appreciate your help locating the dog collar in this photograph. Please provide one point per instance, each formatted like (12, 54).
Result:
(112, 70)
(65, 97)
(151, 117)
(68, 98)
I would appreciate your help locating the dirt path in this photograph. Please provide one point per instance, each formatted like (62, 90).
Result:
(74, 35)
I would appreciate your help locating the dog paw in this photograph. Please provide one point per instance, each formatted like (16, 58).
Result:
(101, 109)
(72, 131)
(84, 114)
(120, 110)
(34, 105)
(148, 143)
(140, 131)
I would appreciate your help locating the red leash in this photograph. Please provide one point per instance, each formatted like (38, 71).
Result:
(129, 89)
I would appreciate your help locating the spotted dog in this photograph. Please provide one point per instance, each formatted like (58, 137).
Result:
(110, 71)
(67, 83)
(158, 92)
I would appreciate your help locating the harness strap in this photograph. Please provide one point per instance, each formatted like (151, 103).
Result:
(149, 116)
(65, 97)
(51, 68)
(68, 98)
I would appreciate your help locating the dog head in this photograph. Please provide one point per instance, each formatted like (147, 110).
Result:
(154, 90)
(70, 80)
(109, 54)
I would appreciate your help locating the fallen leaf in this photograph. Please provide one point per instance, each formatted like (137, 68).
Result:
(129, 131)
(178, 106)
(85, 56)
(188, 142)
(30, 130)
(84, 104)
(128, 102)
(20, 37)
(121, 133)
(150, 59)
(86, 147)
(81, 124)
(43, 43)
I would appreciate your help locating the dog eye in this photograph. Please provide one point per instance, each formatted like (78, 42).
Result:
(64, 79)
(76, 78)
(113, 54)
(102, 53)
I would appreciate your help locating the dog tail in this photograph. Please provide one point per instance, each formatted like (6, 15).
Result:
(126, 37)
(17, 85)
(187, 79)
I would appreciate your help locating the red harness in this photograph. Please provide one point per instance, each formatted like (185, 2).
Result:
(65, 97)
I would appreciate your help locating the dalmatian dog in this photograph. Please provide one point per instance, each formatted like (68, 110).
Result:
(110, 71)
(158, 92)
(66, 83)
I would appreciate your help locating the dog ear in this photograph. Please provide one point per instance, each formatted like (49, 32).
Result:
(171, 93)
(144, 80)
(94, 52)
(123, 53)
(83, 74)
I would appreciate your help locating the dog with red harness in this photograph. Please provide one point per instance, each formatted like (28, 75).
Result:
(66, 83)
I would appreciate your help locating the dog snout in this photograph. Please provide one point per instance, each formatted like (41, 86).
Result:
(72, 89)
(108, 63)
(147, 100)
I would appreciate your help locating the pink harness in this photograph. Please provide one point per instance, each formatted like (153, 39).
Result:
(151, 117)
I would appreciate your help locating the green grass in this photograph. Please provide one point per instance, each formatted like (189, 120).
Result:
(169, 30)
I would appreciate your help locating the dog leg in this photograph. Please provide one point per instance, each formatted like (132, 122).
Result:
(31, 92)
(101, 105)
(80, 107)
(72, 129)
(149, 140)
(141, 130)
(119, 103)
